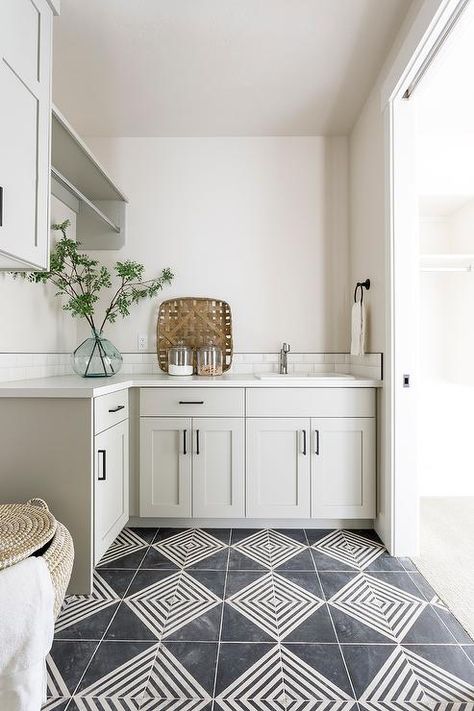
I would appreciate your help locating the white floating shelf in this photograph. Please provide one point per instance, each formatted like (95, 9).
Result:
(447, 262)
(79, 180)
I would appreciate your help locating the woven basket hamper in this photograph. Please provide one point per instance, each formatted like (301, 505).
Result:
(30, 529)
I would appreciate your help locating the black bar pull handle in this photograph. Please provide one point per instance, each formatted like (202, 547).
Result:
(304, 443)
(116, 409)
(191, 402)
(316, 434)
(102, 473)
(185, 437)
(198, 451)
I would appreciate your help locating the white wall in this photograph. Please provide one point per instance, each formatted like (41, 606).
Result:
(367, 215)
(446, 392)
(31, 317)
(259, 222)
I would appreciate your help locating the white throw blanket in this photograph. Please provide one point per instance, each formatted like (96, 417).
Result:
(26, 634)
(358, 328)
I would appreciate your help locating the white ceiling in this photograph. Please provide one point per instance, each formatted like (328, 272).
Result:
(219, 67)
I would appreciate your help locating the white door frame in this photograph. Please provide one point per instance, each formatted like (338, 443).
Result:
(399, 529)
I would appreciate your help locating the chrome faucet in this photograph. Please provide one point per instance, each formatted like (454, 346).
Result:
(285, 349)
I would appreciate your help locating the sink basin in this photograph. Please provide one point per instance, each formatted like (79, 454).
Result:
(304, 376)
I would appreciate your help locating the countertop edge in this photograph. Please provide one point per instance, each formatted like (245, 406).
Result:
(65, 387)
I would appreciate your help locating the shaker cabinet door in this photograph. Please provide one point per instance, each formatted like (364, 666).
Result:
(165, 466)
(218, 467)
(25, 90)
(278, 468)
(110, 486)
(343, 467)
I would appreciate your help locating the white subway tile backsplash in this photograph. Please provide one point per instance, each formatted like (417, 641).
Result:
(19, 366)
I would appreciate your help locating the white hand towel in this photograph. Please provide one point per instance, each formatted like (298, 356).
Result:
(26, 634)
(358, 323)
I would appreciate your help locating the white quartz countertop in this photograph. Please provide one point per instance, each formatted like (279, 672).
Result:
(72, 386)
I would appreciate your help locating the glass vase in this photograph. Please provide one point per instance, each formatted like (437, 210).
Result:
(96, 357)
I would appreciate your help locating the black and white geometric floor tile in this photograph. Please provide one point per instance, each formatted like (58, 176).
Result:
(383, 607)
(409, 681)
(79, 607)
(426, 677)
(269, 548)
(275, 604)
(179, 621)
(171, 603)
(128, 541)
(282, 680)
(350, 548)
(189, 547)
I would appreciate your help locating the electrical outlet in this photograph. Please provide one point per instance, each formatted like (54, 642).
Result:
(142, 340)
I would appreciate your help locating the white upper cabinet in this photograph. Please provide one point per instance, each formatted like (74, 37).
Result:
(25, 88)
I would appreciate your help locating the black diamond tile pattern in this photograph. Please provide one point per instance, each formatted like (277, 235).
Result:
(247, 620)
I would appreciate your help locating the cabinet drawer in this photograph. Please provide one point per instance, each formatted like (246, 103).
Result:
(310, 402)
(110, 409)
(186, 402)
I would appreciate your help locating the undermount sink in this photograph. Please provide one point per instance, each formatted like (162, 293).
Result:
(305, 376)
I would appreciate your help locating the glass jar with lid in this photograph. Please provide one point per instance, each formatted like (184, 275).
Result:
(209, 360)
(180, 360)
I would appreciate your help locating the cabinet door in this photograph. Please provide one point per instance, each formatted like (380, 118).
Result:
(218, 467)
(343, 467)
(165, 466)
(110, 486)
(25, 88)
(278, 468)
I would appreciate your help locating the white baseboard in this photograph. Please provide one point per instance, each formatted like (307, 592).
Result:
(149, 522)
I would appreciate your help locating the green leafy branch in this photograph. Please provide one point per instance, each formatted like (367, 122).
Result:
(81, 279)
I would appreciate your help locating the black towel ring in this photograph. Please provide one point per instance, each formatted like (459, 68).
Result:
(361, 285)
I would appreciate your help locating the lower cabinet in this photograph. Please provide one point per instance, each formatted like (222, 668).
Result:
(218, 467)
(165, 466)
(311, 468)
(343, 467)
(191, 467)
(201, 457)
(278, 468)
(110, 486)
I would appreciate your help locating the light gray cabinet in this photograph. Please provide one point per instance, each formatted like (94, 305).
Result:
(278, 467)
(165, 466)
(192, 467)
(25, 88)
(218, 467)
(111, 473)
(343, 467)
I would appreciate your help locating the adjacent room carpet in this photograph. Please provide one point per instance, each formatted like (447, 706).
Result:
(447, 553)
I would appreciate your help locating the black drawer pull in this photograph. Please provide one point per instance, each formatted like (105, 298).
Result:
(185, 448)
(116, 409)
(102, 473)
(191, 402)
(316, 434)
(197, 442)
(304, 443)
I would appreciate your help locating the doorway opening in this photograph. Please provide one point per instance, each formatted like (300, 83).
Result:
(432, 209)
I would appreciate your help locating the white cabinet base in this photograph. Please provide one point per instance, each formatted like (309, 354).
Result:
(309, 523)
